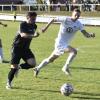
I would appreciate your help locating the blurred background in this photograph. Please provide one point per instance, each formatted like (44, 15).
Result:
(49, 5)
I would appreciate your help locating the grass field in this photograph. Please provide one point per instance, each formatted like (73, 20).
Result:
(85, 68)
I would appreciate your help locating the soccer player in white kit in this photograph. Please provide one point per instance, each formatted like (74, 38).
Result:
(68, 28)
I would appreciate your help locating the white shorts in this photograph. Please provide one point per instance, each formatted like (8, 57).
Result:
(60, 49)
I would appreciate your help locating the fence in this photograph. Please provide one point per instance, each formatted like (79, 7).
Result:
(51, 7)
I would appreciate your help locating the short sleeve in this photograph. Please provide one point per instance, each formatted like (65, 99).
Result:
(81, 27)
(23, 27)
(60, 19)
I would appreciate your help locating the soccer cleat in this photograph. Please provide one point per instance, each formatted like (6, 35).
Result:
(66, 71)
(8, 85)
(36, 72)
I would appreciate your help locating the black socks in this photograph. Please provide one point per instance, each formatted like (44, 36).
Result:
(11, 74)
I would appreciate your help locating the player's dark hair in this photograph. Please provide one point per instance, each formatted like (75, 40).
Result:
(30, 14)
(77, 10)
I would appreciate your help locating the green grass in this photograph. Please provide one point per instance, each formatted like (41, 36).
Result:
(85, 68)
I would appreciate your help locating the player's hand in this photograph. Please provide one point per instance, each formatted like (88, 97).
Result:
(37, 34)
(43, 30)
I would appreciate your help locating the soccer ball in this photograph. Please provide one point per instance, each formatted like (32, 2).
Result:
(66, 89)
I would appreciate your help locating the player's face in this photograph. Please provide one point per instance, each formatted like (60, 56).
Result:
(75, 15)
(32, 19)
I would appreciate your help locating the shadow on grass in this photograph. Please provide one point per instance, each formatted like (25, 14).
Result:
(86, 98)
(22, 88)
(82, 95)
(55, 91)
(86, 95)
(77, 95)
(86, 68)
(5, 61)
(50, 78)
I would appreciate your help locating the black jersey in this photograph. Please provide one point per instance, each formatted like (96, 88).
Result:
(24, 28)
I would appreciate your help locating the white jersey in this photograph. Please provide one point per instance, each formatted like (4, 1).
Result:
(68, 28)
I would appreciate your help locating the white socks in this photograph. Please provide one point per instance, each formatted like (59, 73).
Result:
(46, 61)
(42, 64)
(69, 60)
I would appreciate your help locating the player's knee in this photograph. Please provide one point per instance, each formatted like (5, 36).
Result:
(14, 66)
(32, 63)
(75, 52)
(52, 59)
(48, 60)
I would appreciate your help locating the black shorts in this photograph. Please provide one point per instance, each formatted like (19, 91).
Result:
(18, 53)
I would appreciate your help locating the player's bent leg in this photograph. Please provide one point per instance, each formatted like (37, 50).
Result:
(30, 63)
(72, 53)
(66, 70)
(48, 60)
(44, 63)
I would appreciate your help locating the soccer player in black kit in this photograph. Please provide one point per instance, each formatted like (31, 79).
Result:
(20, 47)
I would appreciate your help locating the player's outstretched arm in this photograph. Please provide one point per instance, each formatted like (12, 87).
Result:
(88, 35)
(25, 35)
(46, 27)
